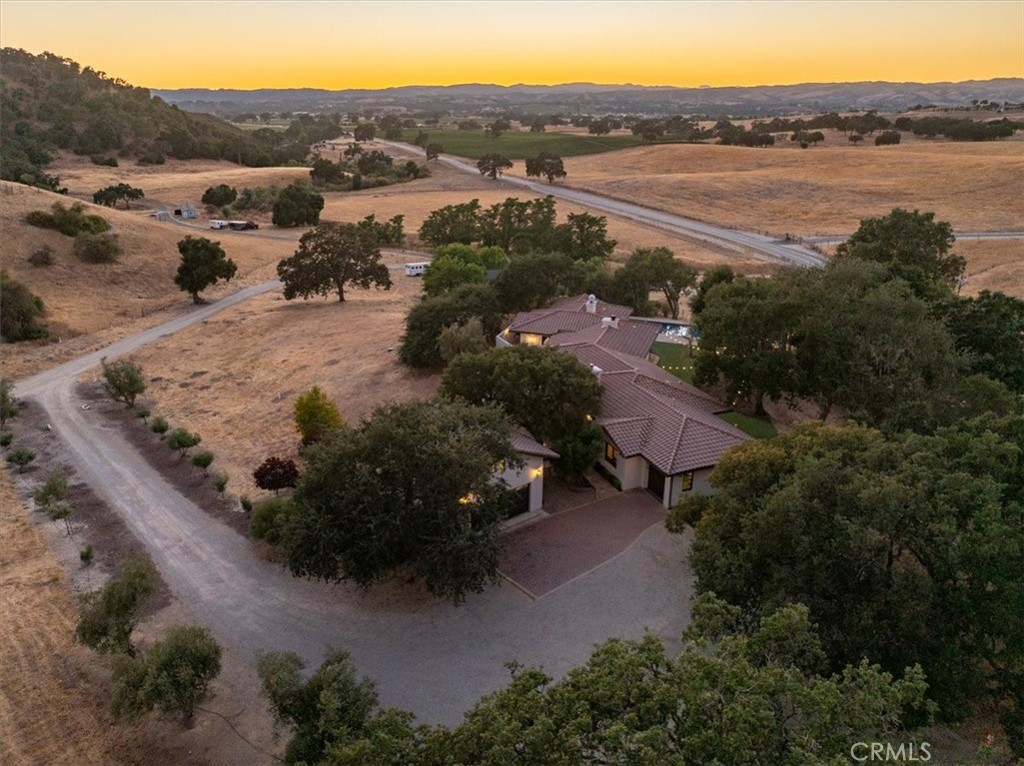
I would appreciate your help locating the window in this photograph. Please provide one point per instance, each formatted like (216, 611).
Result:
(610, 453)
(686, 481)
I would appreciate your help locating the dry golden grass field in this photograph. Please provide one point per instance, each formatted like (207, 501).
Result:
(54, 693)
(240, 395)
(821, 190)
(105, 301)
(175, 182)
(993, 265)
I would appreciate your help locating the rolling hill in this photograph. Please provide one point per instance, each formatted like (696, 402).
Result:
(49, 103)
(590, 98)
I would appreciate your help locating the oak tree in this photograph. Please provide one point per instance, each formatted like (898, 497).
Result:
(411, 489)
(332, 256)
(203, 263)
(546, 164)
(493, 165)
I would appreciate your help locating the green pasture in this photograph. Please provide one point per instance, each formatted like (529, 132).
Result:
(519, 145)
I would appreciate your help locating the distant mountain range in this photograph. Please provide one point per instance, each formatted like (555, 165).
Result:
(592, 98)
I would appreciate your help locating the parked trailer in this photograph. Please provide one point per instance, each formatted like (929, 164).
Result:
(415, 269)
(218, 224)
(242, 225)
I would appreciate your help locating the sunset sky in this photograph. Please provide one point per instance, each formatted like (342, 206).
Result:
(379, 44)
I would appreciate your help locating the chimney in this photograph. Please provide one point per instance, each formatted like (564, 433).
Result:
(596, 370)
(612, 322)
(591, 304)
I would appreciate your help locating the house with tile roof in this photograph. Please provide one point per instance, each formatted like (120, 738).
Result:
(581, 318)
(661, 433)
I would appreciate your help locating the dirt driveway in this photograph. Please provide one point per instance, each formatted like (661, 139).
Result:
(546, 555)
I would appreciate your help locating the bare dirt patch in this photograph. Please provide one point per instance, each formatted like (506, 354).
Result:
(261, 355)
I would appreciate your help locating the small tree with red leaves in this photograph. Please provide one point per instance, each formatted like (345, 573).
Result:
(276, 473)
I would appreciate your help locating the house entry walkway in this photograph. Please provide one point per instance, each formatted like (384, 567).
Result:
(546, 555)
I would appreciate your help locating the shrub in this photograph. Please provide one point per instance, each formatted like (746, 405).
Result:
(40, 219)
(74, 220)
(220, 482)
(159, 425)
(887, 138)
(54, 490)
(316, 415)
(123, 381)
(276, 474)
(182, 440)
(69, 221)
(99, 159)
(109, 615)
(21, 457)
(42, 257)
(220, 195)
(5, 438)
(173, 677)
(61, 511)
(246, 503)
(152, 157)
(19, 309)
(142, 413)
(465, 338)
(203, 460)
(98, 248)
(260, 198)
(8, 404)
(269, 520)
(86, 555)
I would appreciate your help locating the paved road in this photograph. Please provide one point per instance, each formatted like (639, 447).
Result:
(763, 246)
(838, 239)
(426, 656)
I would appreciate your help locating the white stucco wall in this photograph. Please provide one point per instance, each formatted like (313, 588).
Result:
(700, 486)
(531, 473)
(630, 471)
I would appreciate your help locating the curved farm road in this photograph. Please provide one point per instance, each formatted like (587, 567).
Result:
(426, 656)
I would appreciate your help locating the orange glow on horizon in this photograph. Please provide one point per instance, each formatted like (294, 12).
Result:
(382, 44)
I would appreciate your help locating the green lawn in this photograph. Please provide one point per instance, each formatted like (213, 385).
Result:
(272, 125)
(676, 358)
(518, 145)
(759, 429)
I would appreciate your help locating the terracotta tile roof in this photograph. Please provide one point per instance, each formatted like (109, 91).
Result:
(579, 303)
(646, 411)
(633, 338)
(549, 322)
(523, 442)
(566, 315)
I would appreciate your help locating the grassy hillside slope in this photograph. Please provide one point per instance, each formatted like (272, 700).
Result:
(50, 103)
